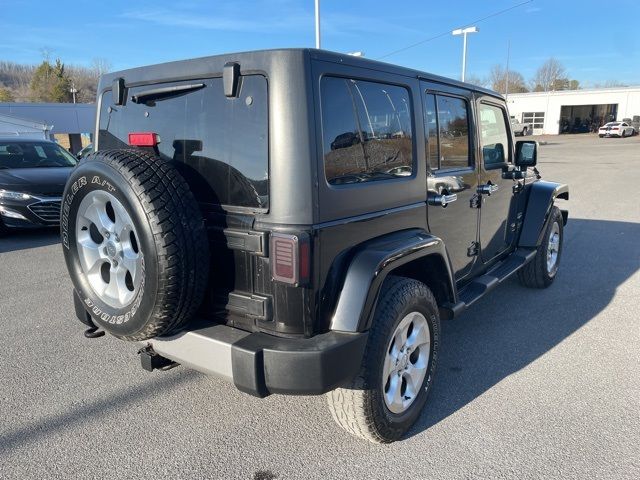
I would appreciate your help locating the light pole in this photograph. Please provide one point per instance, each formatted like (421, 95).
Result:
(73, 91)
(317, 23)
(463, 32)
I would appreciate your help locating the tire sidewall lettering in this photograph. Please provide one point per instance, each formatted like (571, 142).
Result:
(92, 176)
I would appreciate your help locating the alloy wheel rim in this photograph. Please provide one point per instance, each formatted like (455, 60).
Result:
(406, 362)
(109, 249)
(553, 247)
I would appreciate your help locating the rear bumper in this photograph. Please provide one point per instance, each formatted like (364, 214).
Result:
(257, 363)
(261, 364)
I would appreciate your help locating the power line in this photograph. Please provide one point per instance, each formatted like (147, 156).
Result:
(448, 32)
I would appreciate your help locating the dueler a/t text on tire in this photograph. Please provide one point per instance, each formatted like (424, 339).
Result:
(386, 398)
(134, 242)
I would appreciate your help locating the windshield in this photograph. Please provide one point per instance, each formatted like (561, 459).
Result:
(33, 154)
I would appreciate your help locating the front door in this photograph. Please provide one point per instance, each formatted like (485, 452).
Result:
(451, 173)
(497, 157)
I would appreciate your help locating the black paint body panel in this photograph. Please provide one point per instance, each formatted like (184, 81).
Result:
(365, 230)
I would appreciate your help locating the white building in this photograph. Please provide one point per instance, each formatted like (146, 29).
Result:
(574, 111)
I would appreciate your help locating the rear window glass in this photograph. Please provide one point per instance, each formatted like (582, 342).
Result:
(220, 144)
(367, 131)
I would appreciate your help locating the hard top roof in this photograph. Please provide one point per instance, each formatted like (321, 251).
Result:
(214, 63)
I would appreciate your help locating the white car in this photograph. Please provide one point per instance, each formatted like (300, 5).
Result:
(617, 129)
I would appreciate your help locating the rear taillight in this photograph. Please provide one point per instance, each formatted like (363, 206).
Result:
(144, 139)
(289, 258)
(615, 128)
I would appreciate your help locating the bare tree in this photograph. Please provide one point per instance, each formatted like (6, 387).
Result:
(100, 66)
(610, 84)
(549, 76)
(498, 80)
(476, 80)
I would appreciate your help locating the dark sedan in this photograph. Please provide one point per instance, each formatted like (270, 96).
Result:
(32, 178)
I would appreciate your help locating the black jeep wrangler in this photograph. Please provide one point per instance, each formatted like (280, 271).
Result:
(299, 221)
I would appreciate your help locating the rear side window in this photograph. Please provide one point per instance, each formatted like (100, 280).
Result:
(220, 143)
(367, 131)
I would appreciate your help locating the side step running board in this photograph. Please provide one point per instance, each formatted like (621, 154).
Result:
(480, 286)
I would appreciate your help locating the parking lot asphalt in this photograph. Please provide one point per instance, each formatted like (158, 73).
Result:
(531, 383)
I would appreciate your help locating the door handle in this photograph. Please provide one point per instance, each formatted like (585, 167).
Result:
(442, 200)
(487, 189)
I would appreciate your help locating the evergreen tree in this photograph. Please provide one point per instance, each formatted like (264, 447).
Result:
(6, 95)
(50, 83)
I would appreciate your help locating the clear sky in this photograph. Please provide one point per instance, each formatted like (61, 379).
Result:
(597, 41)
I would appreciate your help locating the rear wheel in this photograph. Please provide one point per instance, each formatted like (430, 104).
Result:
(387, 396)
(542, 270)
(134, 243)
(524, 131)
(623, 134)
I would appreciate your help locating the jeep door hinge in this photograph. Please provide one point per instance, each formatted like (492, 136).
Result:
(517, 188)
(475, 201)
(473, 249)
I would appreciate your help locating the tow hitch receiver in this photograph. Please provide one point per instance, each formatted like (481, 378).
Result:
(151, 361)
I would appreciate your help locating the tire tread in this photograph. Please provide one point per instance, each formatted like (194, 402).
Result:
(352, 406)
(179, 234)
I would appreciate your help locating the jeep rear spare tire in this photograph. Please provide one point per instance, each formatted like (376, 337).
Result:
(134, 242)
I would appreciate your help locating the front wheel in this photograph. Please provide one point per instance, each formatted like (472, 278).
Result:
(542, 270)
(386, 397)
(524, 132)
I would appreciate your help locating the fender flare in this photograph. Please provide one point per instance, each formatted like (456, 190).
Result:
(369, 268)
(542, 194)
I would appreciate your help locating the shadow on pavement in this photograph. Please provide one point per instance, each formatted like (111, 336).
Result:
(25, 239)
(499, 336)
(514, 325)
(113, 403)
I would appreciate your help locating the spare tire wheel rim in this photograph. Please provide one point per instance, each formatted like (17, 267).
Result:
(406, 362)
(109, 249)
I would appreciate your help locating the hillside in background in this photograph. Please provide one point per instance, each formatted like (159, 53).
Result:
(49, 81)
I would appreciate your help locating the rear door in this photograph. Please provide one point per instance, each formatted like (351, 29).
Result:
(496, 150)
(451, 173)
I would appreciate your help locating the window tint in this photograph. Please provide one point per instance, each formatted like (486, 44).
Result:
(494, 135)
(446, 132)
(454, 132)
(431, 126)
(367, 131)
(220, 143)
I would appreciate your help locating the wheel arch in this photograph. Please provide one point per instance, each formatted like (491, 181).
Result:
(541, 199)
(411, 253)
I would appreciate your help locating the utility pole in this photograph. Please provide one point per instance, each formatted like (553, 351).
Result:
(317, 23)
(464, 32)
(506, 83)
(73, 91)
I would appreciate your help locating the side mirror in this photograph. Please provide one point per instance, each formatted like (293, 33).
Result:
(526, 153)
